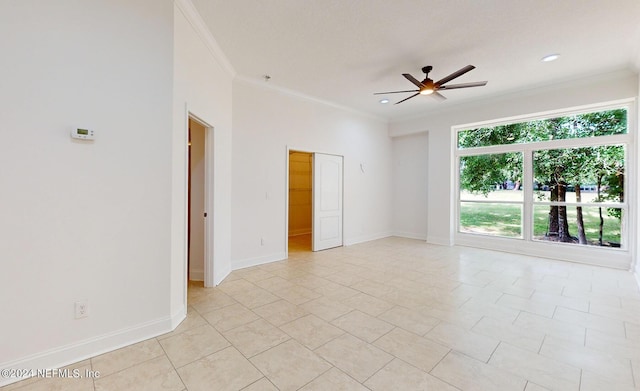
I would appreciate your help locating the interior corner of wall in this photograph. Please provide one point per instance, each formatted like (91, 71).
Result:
(439, 240)
(409, 235)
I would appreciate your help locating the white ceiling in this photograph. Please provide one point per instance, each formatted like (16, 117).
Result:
(342, 51)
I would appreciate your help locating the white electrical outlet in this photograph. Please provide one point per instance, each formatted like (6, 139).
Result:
(82, 309)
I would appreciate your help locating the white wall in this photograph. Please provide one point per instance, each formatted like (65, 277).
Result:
(410, 185)
(265, 122)
(601, 88)
(202, 87)
(83, 220)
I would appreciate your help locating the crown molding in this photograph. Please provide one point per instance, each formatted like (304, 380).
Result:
(195, 19)
(299, 95)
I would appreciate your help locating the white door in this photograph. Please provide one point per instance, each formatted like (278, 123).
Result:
(327, 201)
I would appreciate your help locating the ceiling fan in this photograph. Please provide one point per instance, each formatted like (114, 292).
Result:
(429, 87)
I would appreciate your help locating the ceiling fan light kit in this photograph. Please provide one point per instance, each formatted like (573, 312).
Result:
(429, 87)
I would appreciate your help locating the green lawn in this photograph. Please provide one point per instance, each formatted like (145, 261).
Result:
(504, 220)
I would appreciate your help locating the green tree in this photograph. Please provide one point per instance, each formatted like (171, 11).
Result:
(480, 174)
(557, 169)
(609, 171)
(550, 169)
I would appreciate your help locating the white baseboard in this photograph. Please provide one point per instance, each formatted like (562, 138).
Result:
(298, 232)
(196, 275)
(440, 240)
(244, 263)
(82, 350)
(410, 235)
(219, 276)
(178, 317)
(366, 238)
(589, 255)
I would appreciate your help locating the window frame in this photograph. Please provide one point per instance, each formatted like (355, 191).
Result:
(615, 257)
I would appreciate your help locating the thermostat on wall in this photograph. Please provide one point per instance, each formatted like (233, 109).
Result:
(83, 134)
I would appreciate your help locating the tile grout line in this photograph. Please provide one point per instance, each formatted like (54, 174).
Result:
(493, 352)
(318, 376)
(379, 268)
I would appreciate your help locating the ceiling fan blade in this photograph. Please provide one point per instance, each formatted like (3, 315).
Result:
(463, 85)
(438, 95)
(455, 74)
(393, 92)
(408, 98)
(413, 80)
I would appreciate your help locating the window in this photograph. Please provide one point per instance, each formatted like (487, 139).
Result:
(578, 193)
(490, 200)
(556, 180)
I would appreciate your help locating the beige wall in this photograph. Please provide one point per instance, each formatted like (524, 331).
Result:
(197, 202)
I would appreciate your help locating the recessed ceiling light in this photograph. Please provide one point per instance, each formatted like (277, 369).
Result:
(550, 57)
(384, 101)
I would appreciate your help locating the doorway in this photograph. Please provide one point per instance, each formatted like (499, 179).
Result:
(300, 201)
(196, 201)
(315, 201)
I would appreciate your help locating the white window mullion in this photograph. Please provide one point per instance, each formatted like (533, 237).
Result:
(527, 182)
(545, 145)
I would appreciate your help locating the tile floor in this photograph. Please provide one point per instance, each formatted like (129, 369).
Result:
(392, 314)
